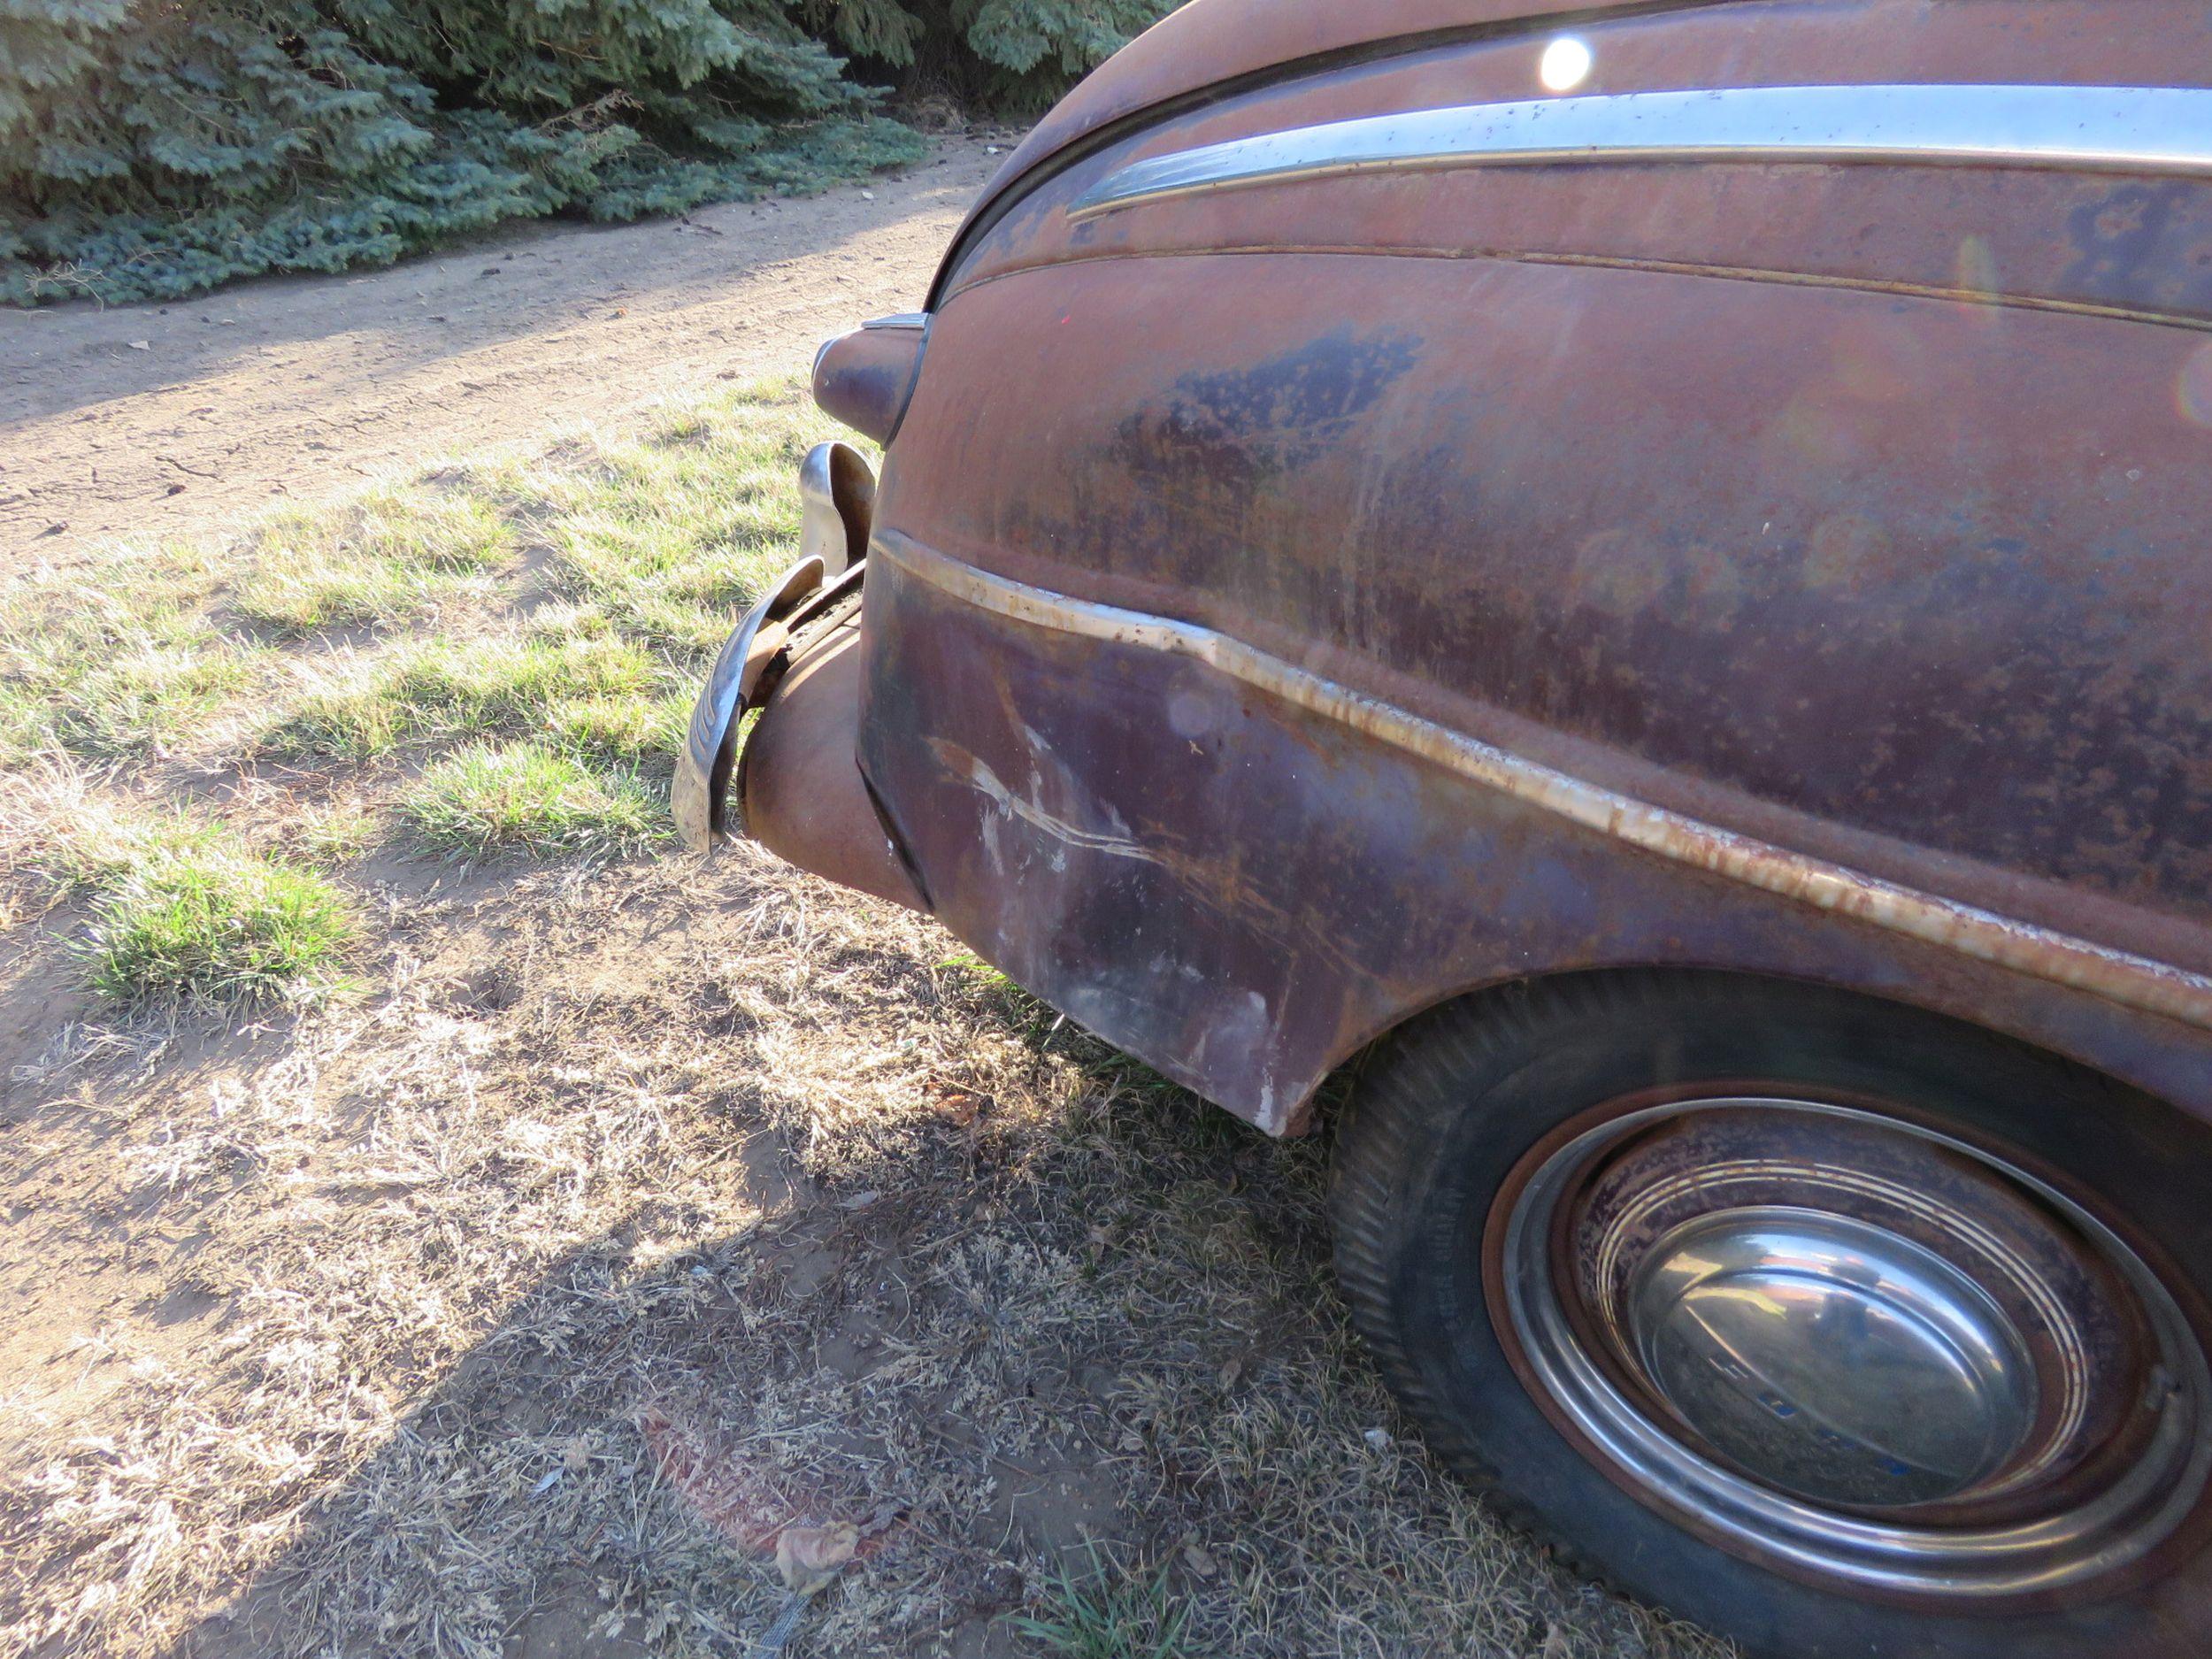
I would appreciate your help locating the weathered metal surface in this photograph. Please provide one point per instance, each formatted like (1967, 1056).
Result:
(2079, 240)
(1208, 43)
(1915, 586)
(803, 794)
(1388, 586)
(2135, 981)
(865, 377)
(1461, 51)
(1244, 891)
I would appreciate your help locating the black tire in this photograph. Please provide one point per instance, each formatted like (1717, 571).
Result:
(1449, 1107)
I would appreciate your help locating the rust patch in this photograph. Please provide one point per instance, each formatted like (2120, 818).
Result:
(2130, 980)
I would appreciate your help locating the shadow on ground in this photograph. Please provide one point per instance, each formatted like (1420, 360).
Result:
(856, 1231)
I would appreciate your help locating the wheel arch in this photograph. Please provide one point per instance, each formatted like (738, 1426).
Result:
(1893, 998)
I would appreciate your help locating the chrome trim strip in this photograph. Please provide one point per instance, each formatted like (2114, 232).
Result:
(2137, 982)
(2128, 129)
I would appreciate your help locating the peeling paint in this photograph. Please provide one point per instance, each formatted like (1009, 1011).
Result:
(2130, 980)
(979, 774)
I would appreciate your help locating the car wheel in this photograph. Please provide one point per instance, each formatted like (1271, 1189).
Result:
(1836, 1327)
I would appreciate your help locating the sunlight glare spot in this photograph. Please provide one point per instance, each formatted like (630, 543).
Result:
(1565, 65)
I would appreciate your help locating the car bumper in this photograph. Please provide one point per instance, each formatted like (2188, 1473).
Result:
(741, 681)
(793, 783)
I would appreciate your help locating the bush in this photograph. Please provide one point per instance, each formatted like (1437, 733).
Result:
(153, 148)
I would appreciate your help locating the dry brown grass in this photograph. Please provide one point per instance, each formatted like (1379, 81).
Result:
(627, 1213)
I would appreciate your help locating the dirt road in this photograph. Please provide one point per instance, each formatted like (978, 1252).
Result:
(149, 420)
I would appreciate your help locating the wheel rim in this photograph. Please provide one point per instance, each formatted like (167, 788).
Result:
(1853, 1349)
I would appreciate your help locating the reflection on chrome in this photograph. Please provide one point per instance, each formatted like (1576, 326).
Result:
(1565, 65)
(2192, 390)
(2131, 129)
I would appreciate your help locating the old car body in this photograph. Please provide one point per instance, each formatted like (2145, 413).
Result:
(1749, 565)
(1380, 505)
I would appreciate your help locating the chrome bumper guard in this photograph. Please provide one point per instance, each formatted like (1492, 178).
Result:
(837, 491)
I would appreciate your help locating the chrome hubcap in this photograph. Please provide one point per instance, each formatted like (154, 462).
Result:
(1837, 1341)
(1848, 1364)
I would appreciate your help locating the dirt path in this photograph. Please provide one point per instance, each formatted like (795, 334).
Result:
(154, 419)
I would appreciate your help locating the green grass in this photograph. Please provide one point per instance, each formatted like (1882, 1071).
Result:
(333, 834)
(528, 798)
(389, 555)
(667, 533)
(90, 842)
(216, 924)
(537, 624)
(601, 695)
(116, 661)
(1106, 1615)
(648, 546)
(150, 693)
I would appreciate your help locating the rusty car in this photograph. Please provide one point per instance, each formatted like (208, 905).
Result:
(1632, 578)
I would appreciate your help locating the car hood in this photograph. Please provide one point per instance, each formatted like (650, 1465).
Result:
(1210, 44)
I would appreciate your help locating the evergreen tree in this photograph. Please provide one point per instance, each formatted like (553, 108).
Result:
(154, 148)
(1020, 54)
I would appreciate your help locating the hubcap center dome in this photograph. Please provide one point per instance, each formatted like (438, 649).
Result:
(1831, 1359)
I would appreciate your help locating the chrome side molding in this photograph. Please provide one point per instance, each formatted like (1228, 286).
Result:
(2117, 976)
(2123, 130)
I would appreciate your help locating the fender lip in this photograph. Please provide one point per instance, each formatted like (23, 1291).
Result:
(699, 795)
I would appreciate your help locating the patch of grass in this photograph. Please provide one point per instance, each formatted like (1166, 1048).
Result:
(151, 692)
(218, 924)
(970, 966)
(529, 798)
(511, 684)
(632, 729)
(348, 712)
(53, 823)
(1107, 1615)
(668, 533)
(385, 556)
(334, 833)
(183, 908)
(115, 661)
(600, 694)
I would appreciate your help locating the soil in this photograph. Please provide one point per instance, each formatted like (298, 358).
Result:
(152, 420)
